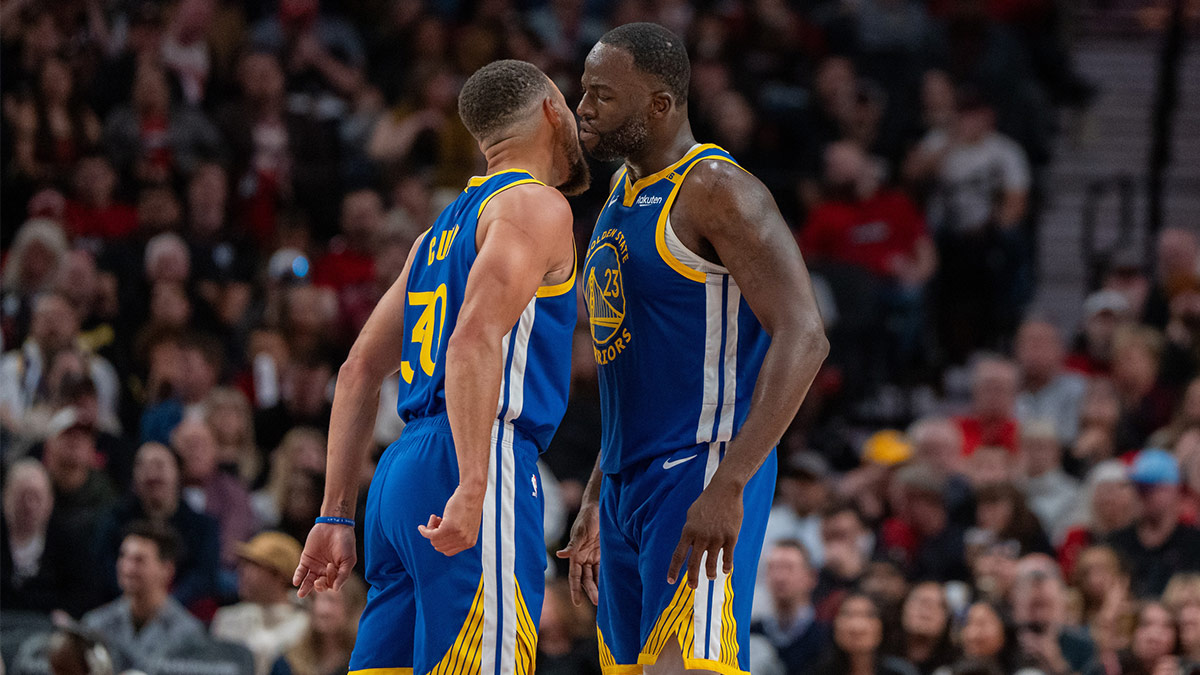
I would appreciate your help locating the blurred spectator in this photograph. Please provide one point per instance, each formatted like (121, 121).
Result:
(325, 648)
(153, 141)
(40, 566)
(1039, 609)
(1107, 503)
(81, 491)
(145, 623)
(279, 154)
(803, 491)
(1158, 544)
(993, 565)
(33, 264)
(185, 51)
(1182, 597)
(992, 419)
(300, 454)
(938, 444)
(349, 266)
(878, 232)
(1103, 312)
(1186, 418)
(156, 497)
(223, 264)
(1101, 433)
(26, 384)
(94, 212)
(229, 416)
(988, 637)
(1153, 648)
(1047, 391)
(1102, 585)
(923, 534)
(1177, 269)
(1001, 510)
(1146, 404)
(566, 642)
(211, 491)
(857, 642)
(981, 182)
(427, 135)
(1051, 493)
(924, 638)
(869, 484)
(267, 620)
(53, 129)
(790, 621)
(848, 544)
(200, 362)
(323, 56)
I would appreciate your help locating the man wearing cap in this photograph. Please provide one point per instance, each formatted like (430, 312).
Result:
(1157, 545)
(81, 491)
(267, 620)
(1103, 312)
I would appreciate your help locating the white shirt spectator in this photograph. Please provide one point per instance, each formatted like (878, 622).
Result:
(267, 631)
(971, 177)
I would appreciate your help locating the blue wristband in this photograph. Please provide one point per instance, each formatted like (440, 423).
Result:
(334, 520)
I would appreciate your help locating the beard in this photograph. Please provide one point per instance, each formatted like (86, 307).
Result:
(579, 176)
(625, 141)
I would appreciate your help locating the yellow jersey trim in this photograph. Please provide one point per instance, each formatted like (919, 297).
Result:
(526, 647)
(566, 286)
(660, 231)
(631, 191)
(476, 181)
(382, 671)
(466, 652)
(526, 181)
(621, 669)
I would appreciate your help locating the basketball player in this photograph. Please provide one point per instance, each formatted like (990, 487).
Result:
(479, 325)
(707, 337)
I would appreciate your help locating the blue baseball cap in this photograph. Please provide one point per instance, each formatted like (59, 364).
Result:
(1154, 466)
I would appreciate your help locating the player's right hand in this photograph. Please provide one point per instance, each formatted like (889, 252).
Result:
(457, 529)
(327, 559)
(584, 553)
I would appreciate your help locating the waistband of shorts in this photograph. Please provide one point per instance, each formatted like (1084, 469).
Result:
(434, 424)
(440, 424)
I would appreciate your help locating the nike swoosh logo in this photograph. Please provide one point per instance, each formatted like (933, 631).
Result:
(672, 463)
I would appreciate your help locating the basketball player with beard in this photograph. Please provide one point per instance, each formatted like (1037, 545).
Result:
(480, 326)
(707, 337)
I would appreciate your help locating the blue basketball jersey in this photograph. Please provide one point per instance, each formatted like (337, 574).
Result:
(677, 347)
(537, 351)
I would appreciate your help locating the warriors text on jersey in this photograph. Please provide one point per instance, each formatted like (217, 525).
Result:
(678, 348)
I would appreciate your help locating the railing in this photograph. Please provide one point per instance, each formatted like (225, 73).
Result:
(1097, 253)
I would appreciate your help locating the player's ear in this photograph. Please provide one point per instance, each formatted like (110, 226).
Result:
(550, 111)
(661, 103)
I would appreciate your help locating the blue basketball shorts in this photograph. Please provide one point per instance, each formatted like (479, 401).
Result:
(477, 611)
(642, 512)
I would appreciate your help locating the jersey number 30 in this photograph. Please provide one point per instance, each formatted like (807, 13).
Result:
(427, 332)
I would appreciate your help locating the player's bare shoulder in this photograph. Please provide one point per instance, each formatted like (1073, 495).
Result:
(538, 208)
(721, 200)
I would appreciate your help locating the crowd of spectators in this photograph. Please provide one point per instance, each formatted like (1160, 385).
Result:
(204, 199)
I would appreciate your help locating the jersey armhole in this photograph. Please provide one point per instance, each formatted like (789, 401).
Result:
(677, 256)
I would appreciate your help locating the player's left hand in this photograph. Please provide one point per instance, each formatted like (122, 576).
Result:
(713, 523)
(457, 529)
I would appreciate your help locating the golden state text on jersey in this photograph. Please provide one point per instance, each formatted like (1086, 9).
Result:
(677, 347)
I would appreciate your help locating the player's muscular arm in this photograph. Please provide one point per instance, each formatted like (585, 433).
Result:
(734, 214)
(524, 240)
(329, 551)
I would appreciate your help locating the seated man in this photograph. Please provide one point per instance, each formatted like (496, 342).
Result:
(791, 623)
(145, 624)
(267, 620)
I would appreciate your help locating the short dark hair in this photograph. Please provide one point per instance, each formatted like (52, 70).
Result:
(657, 51)
(496, 96)
(839, 506)
(164, 537)
(797, 545)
